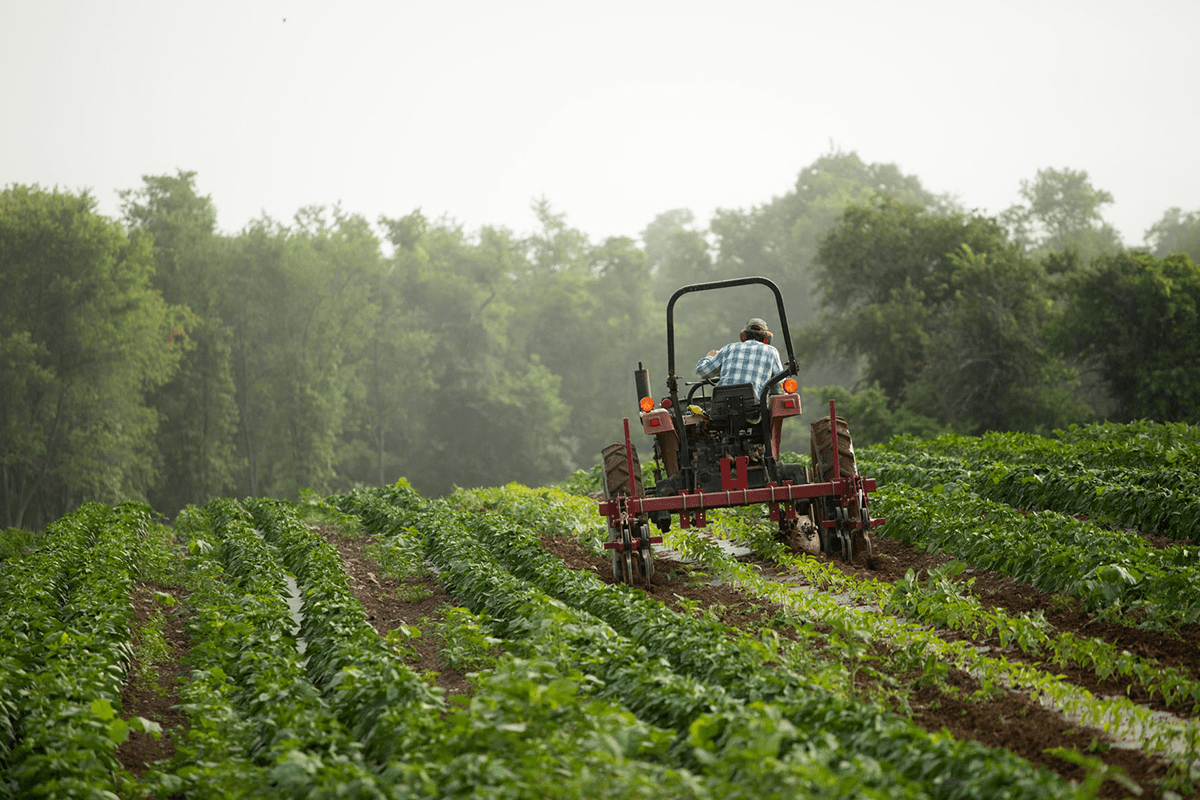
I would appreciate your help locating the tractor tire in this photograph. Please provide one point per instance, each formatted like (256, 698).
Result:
(617, 483)
(823, 438)
(821, 442)
(616, 471)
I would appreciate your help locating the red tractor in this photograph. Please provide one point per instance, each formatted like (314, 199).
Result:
(718, 447)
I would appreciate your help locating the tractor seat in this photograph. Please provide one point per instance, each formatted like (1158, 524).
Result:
(735, 401)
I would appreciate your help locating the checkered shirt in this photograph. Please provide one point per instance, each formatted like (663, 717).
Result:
(750, 361)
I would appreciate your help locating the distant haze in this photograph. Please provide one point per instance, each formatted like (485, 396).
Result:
(614, 112)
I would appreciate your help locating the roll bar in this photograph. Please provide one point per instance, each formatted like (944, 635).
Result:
(789, 368)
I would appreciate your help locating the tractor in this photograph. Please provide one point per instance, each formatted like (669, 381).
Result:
(717, 446)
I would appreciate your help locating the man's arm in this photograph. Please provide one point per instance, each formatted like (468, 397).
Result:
(709, 366)
(777, 388)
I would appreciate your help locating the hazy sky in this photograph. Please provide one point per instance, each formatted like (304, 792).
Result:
(613, 111)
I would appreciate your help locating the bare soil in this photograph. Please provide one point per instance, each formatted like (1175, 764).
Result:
(388, 605)
(155, 697)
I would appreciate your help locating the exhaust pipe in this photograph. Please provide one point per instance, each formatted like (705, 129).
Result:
(641, 377)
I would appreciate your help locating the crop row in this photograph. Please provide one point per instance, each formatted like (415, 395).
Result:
(1111, 571)
(1168, 737)
(940, 600)
(386, 706)
(64, 652)
(1137, 447)
(528, 729)
(1158, 501)
(735, 668)
(534, 725)
(259, 726)
(721, 746)
(910, 641)
(943, 601)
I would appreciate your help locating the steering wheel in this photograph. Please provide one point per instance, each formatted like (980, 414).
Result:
(698, 384)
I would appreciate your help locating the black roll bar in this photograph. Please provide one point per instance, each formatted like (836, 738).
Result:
(790, 368)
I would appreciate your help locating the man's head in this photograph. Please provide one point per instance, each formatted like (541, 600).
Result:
(757, 329)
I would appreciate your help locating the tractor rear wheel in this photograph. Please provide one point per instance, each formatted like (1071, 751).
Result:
(821, 445)
(616, 471)
(616, 483)
(825, 436)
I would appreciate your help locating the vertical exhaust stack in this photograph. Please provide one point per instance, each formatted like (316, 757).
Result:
(641, 377)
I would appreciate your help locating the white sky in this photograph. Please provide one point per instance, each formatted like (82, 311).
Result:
(613, 111)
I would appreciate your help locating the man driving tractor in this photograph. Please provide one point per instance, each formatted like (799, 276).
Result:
(751, 360)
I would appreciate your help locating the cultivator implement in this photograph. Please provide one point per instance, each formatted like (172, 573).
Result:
(830, 516)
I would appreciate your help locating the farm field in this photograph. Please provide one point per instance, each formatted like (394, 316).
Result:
(1027, 628)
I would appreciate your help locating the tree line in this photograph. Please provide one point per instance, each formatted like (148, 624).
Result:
(155, 357)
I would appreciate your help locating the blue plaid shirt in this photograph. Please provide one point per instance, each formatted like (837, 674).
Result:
(750, 361)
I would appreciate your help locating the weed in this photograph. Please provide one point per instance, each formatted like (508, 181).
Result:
(413, 592)
(401, 639)
(150, 652)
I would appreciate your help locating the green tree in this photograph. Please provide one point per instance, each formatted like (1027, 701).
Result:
(495, 413)
(83, 338)
(626, 327)
(585, 322)
(870, 418)
(1176, 232)
(990, 366)
(395, 391)
(558, 246)
(1138, 318)
(1062, 210)
(198, 414)
(781, 239)
(299, 304)
(948, 316)
(677, 254)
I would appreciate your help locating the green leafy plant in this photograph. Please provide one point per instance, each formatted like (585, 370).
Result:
(402, 640)
(467, 643)
(150, 652)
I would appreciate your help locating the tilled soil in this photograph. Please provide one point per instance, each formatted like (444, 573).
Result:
(388, 605)
(155, 696)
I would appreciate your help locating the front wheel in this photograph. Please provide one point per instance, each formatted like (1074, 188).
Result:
(850, 538)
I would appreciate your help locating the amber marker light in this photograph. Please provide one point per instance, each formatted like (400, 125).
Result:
(790, 385)
(646, 404)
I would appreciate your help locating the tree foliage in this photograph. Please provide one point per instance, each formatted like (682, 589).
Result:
(165, 359)
(948, 316)
(83, 338)
(1176, 232)
(298, 307)
(1062, 211)
(195, 443)
(1138, 317)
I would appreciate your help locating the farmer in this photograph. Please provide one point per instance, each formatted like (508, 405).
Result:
(751, 360)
